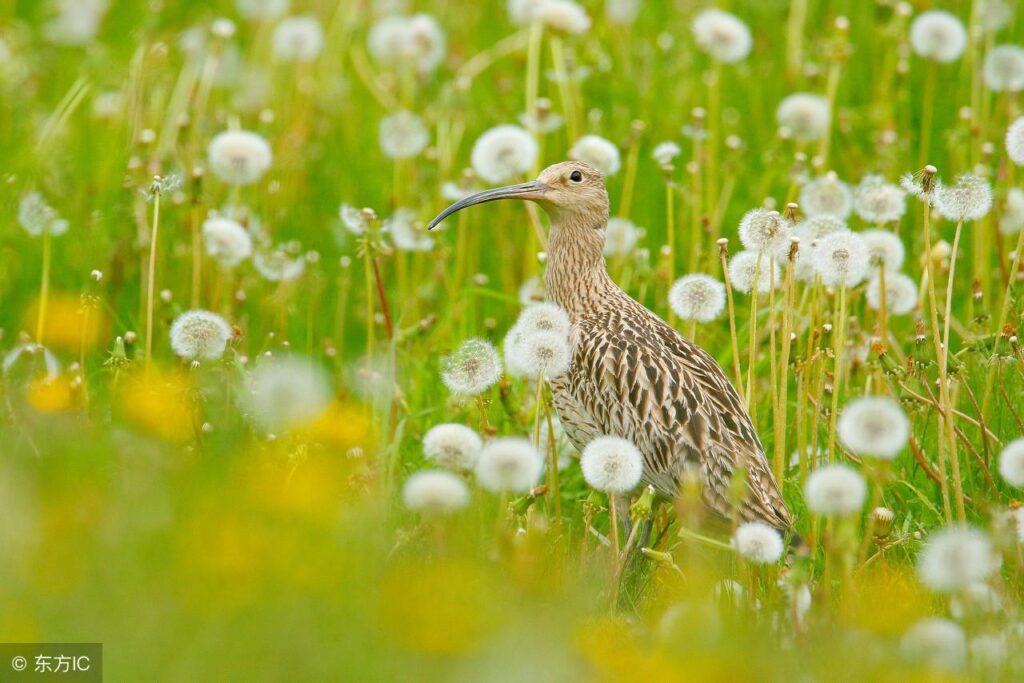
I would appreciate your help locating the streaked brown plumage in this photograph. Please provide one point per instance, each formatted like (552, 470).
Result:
(632, 375)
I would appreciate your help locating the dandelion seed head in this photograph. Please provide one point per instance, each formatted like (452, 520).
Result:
(1011, 463)
(473, 368)
(900, 293)
(1015, 141)
(563, 15)
(262, 10)
(38, 218)
(723, 36)
(938, 35)
(522, 12)
(239, 157)
(538, 353)
(744, 272)
(758, 543)
(200, 335)
(503, 153)
(884, 249)
(620, 237)
(278, 265)
(600, 153)
(765, 231)
(956, 557)
(544, 317)
(697, 297)
(804, 115)
(877, 201)
(226, 241)
(612, 464)
(287, 392)
(416, 41)
(1003, 69)
(77, 21)
(666, 152)
(298, 39)
(988, 652)
(874, 426)
(827, 195)
(841, 259)
(407, 231)
(509, 464)
(835, 491)
(435, 493)
(453, 446)
(353, 219)
(1012, 220)
(969, 199)
(531, 291)
(938, 642)
(994, 14)
(622, 11)
(403, 135)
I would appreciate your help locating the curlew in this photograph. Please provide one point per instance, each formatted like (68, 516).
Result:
(632, 375)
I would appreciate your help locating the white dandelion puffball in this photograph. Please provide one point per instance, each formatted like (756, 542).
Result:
(278, 265)
(994, 14)
(435, 493)
(522, 12)
(1015, 141)
(938, 35)
(473, 368)
(565, 16)
(262, 10)
(969, 199)
(841, 259)
(697, 297)
(287, 392)
(600, 153)
(414, 42)
(612, 464)
(538, 354)
(723, 36)
(239, 157)
(877, 201)
(200, 335)
(510, 349)
(353, 219)
(452, 445)
(835, 491)
(765, 231)
(666, 152)
(77, 21)
(758, 543)
(509, 464)
(875, 426)
(503, 153)
(622, 11)
(810, 233)
(403, 135)
(885, 249)
(1012, 220)
(531, 291)
(620, 236)
(1011, 463)
(900, 293)
(744, 272)
(226, 241)
(1003, 69)
(407, 231)
(37, 217)
(827, 195)
(936, 641)
(804, 116)
(298, 39)
(956, 557)
(544, 317)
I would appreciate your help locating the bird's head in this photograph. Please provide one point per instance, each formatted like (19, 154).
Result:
(569, 190)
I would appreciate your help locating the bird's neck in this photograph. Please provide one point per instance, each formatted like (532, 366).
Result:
(576, 278)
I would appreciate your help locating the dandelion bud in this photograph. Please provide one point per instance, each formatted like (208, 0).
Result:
(882, 519)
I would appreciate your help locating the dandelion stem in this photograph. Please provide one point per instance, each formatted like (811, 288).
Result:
(839, 328)
(944, 387)
(151, 281)
(564, 91)
(926, 112)
(44, 287)
(752, 335)
(670, 225)
(732, 317)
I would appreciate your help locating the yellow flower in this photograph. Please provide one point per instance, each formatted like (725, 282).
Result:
(51, 394)
(71, 323)
(160, 405)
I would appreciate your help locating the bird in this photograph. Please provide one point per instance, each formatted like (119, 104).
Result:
(633, 375)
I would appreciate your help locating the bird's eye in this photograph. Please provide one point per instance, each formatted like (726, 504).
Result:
(576, 177)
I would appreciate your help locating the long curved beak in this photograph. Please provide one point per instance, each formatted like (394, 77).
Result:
(533, 191)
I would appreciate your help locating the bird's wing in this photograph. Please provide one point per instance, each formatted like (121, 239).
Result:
(648, 384)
